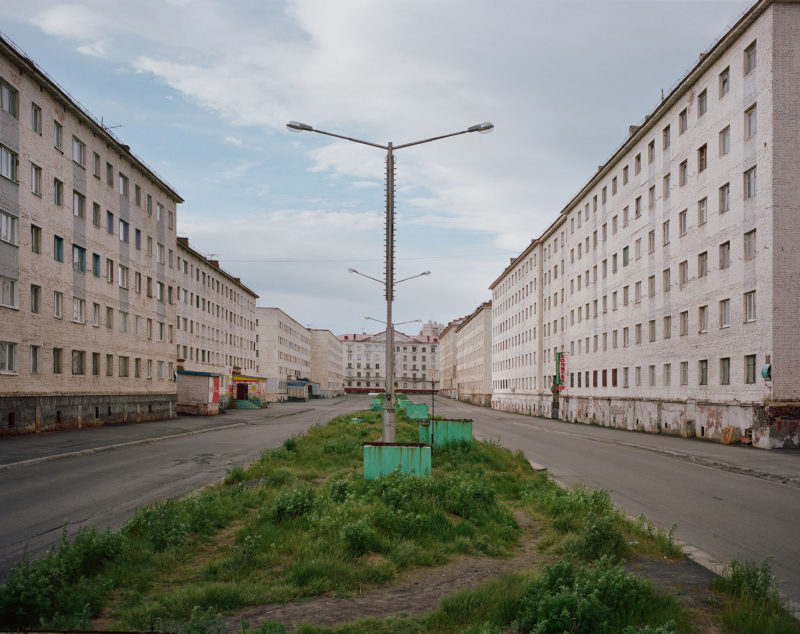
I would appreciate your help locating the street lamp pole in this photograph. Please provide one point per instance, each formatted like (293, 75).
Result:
(295, 126)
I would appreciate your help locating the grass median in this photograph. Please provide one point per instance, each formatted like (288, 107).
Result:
(302, 522)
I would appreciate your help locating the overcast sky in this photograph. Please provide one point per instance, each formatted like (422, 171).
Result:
(202, 91)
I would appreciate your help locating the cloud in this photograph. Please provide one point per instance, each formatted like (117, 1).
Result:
(95, 49)
(234, 141)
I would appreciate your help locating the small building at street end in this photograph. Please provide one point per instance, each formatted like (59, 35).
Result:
(474, 357)
(415, 362)
(327, 363)
(448, 370)
(87, 250)
(670, 283)
(284, 351)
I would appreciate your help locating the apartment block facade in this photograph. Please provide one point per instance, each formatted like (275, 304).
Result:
(415, 361)
(327, 362)
(474, 356)
(215, 325)
(86, 232)
(448, 370)
(283, 345)
(671, 281)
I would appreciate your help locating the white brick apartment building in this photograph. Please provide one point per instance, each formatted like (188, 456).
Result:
(474, 356)
(448, 370)
(215, 325)
(87, 233)
(673, 278)
(415, 362)
(283, 345)
(327, 362)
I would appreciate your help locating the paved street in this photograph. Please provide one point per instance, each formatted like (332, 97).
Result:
(728, 501)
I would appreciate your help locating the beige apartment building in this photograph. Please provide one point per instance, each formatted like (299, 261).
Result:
(448, 370)
(415, 362)
(215, 325)
(327, 362)
(474, 356)
(87, 240)
(283, 346)
(670, 280)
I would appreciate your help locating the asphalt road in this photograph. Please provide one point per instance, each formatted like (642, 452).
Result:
(728, 502)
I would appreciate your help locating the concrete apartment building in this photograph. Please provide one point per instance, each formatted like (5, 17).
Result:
(415, 361)
(283, 345)
(87, 232)
(671, 280)
(448, 370)
(215, 325)
(327, 362)
(474, 356)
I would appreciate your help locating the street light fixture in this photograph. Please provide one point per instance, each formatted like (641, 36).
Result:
(389, 281)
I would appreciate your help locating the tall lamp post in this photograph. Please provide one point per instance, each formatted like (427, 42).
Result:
(389, 281)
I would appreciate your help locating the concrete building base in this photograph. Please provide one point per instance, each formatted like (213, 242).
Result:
(769, 426)
(198, 409)
(34, 414)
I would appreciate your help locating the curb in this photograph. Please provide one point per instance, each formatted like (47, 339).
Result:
(131, 443)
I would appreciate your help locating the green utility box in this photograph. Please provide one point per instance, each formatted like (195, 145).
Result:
(425, 433)
(444, 432)
(401, 403)
(381, 459)
(417, 411)
(376, 404)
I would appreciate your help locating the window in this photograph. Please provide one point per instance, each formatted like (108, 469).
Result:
(109, 317)
(750, 245)
(626, 337)
(665, 137)
(58, 304)
(637, 207)
(750, 122)
(651, 374)
(638, 374)
(149, 206)
(667, 373)
(36, 179)
(95, 214)
(665, 228)
(725, 141)
(666, 280)
(58, 136)
(682, 172)
(725, 198)
(702, 319)
(95, 314)
(702, 103)
(651, 197)
(137, 195)
(750, 59)
(683, 121)
(149, 246)
(682, 222)
(78, 151)
(8, 292)
(96, 165)
(702, 158)
(684, 323)
(8, 163)
(625, 175)
(668, 327)
(36, 239)
(684, 373)
(123, 185)
(8, 227)
(651, 241)
(109, 271)
(123, 321)
(724, 82)
(110, 222)
(750, 306)
(109, 365)
(702, 369)
(58, 192)
(725, 255)
(138, 240)
(638, 248)
(58, 248)
(36, 298)
(725, 313)
(35, 359)
(78, 310)
(160, 253)
(637, 294)
(109, 174)
(651, 286)
(651, 151)
(725, 371)
(702, 264)
(637, 164)
(702, 211)
(57, 354)
(683, 272)
(96, 264)
(750, 368)
(171, 216)
(96, 363)
(123, 231)
(78, 205)
(123, 276)
(78, 259)
(613, 185)
(36, 119)
(666, 186)
(750, 183)
(652, 330)
(138, 282)
(159, 212)
(625, 256)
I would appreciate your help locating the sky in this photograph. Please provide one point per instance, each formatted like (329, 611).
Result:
(202, 90)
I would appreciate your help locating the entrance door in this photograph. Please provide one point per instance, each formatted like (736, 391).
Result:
(241, 391)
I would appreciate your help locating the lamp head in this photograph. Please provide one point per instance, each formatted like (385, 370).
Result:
(483, 128)
(296, 126)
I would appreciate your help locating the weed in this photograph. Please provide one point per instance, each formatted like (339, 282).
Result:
(600, 537)
(234, 475)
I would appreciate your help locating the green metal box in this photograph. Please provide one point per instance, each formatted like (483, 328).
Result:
(381, 459)
(417, 411)
(376, 404)
(425, 433)
(444, 432)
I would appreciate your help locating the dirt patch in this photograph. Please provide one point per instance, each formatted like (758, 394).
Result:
(418, 591)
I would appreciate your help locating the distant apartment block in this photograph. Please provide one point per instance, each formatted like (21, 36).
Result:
(448, 370)
(474, 356)
(87, 244)
(283, 345)
(327, 362)
(671, 280)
